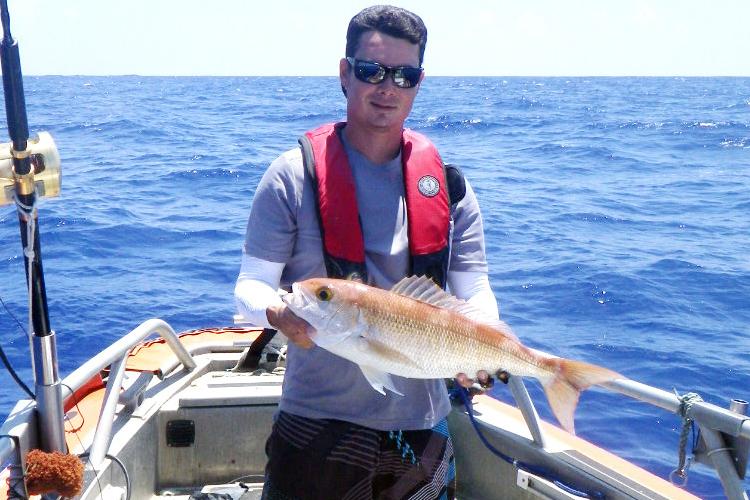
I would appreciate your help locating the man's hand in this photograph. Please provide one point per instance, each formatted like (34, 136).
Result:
(481, 384)
(292, 326)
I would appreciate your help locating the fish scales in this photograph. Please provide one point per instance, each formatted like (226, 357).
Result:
(447, 341)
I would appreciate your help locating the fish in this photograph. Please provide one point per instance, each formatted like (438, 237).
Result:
(418, 330)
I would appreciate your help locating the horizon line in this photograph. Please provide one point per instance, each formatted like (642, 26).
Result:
(185, 75)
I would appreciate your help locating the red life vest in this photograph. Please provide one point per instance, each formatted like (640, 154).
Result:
(427, 204)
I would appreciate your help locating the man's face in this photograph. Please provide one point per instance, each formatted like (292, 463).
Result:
(381, 107)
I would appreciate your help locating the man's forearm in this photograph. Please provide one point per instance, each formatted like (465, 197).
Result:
(257, 289)
(474, 287)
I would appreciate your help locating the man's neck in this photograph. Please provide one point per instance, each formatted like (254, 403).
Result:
(378, 147)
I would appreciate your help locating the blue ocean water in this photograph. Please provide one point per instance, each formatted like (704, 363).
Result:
(616, 213)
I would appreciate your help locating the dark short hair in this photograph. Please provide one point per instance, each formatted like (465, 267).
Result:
(393, 21)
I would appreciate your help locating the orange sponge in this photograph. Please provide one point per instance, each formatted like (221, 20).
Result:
(48, 472)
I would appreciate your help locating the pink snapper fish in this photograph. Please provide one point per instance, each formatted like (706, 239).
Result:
(418, 330)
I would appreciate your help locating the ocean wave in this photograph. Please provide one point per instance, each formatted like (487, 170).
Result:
(448, 123)
(597, 218)
(741, 142)
(713, 124)
(641, 125)
(203, 173)
(673, 265)
(115, 124)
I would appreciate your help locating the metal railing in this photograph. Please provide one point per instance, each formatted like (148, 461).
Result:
(114, 356)
(715, 424)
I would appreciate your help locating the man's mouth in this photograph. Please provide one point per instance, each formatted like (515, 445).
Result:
(381, 105)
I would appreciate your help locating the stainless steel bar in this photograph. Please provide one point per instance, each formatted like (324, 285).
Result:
(49, 401)
(707, 414)
(527, 408)
(103, 433)
(45, 360)
(49, 406)
(642, 392)
(723, 464)
(121, 347)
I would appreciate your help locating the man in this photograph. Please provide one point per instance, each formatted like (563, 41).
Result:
(351, 203)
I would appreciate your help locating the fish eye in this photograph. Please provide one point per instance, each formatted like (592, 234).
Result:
(324, 294)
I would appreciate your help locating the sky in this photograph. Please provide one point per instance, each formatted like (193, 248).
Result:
(465, 37)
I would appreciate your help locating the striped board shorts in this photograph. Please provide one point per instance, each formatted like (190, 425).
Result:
(311, 459)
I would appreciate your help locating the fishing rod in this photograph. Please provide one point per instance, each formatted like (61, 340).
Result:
(29, 169)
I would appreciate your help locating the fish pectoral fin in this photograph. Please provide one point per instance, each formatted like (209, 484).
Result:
(379, 379)
(385, 352)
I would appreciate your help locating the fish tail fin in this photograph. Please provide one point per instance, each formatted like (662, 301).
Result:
(564, 388)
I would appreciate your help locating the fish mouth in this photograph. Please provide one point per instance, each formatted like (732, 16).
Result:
(301, 301)
(297, 299)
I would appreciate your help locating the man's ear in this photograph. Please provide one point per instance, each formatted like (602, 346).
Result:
(343, 74)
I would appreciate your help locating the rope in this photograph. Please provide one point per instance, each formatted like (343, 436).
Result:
(542, 472)
(403, 446)
(686, 406)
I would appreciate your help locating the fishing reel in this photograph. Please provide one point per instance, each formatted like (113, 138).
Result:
(45, 174)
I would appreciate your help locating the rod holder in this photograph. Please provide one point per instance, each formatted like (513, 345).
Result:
(738, 406)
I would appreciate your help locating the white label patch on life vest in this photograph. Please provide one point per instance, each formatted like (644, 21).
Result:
(428, 186)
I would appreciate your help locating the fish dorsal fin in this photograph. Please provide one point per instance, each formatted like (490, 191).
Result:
(425, 290)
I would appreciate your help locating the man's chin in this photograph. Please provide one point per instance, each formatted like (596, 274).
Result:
(385, 122)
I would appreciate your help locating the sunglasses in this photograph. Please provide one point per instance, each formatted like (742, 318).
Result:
(403, 77)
